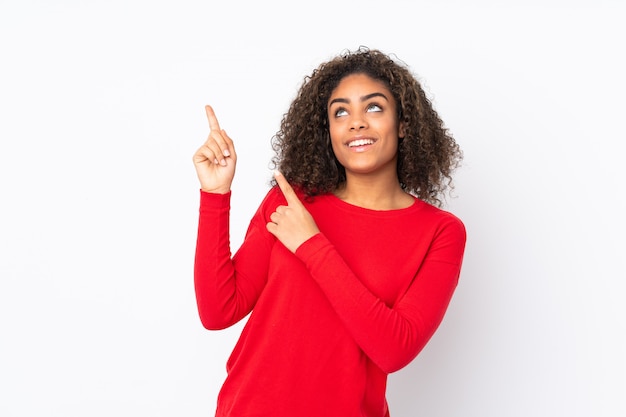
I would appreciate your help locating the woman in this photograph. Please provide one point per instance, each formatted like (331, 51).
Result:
(349, 263)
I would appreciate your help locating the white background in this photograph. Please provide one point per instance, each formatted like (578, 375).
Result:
(101, 109)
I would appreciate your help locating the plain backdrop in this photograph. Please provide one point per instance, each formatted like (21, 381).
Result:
(102, 107)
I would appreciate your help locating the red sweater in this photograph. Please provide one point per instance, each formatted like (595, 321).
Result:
(355, 302)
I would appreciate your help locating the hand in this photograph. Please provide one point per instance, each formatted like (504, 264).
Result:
(291, 224)
(215, 160)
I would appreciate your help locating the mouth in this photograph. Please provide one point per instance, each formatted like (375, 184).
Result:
(360, 143)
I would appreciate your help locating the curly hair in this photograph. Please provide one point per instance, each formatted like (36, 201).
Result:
(427, 155)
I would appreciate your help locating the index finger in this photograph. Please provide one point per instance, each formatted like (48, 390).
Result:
(286, 188)
(210, 114)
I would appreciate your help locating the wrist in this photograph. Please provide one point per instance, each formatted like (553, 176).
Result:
(219, 190)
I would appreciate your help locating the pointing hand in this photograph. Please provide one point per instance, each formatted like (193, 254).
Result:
(291, 224)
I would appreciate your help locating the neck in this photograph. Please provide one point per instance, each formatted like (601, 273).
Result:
(374, 193)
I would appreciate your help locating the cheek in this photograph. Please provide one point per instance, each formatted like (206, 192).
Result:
(335, 140)
(336, 148)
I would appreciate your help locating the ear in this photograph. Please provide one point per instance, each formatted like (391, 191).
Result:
(401, 130)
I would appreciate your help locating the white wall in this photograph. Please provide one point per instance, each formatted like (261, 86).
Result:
(101, 108)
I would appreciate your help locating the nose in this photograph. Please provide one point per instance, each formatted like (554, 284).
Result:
(357, 123)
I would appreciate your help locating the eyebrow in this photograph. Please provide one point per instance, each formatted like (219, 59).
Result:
(364, 98)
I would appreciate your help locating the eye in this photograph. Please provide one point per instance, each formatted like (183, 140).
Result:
(340, 112)
(374, 108)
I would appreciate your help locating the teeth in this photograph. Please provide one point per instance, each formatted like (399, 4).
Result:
(360, 142)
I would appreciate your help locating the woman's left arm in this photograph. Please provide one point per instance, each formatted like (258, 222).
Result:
(391, 336)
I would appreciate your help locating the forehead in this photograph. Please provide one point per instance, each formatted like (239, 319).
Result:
(359, 84)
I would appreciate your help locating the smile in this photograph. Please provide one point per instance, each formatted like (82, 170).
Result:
(360, 142)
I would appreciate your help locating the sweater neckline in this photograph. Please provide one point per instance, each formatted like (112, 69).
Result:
(343, 205)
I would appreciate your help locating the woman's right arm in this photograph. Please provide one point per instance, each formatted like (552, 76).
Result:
(226, 288)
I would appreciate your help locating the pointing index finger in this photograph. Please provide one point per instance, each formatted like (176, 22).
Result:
(286, 188)
(210, 114)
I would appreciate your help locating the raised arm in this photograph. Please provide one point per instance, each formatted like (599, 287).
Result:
(226, 290)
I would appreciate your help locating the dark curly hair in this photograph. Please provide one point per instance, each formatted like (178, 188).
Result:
(428, 154)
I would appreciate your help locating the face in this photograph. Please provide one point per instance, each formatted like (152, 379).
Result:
(364, 126)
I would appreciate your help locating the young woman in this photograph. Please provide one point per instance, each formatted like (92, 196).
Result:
(349, 263)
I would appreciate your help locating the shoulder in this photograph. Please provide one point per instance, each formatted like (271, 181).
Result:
(273, 198)
(442, 219)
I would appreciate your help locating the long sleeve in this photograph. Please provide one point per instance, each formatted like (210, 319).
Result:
(227, 288)
(391, 335)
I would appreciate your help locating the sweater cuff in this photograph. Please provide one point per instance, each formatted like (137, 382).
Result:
(311, 247)
(214, 200)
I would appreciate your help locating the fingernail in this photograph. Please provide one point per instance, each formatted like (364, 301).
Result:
(215, 161)
(223, 162)
(226, 152)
